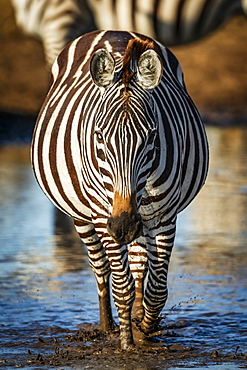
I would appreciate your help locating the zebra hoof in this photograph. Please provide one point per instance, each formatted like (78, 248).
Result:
(141, 339)
(138, 333)
(137, 314)
(128, 347)
(112, 329)
(127, 344)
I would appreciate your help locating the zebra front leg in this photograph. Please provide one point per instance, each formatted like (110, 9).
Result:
(137, 255)
(101, 267)
(159, 252)
(123, 290)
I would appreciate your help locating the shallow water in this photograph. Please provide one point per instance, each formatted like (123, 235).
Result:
(46, 282)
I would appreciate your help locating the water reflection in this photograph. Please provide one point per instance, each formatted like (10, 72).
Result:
(36, 272)
(216, 222)
(222, 206)
(208, 272)
(44, 273)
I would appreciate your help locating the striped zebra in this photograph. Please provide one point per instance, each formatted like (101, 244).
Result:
(120, 147)
(172, 22)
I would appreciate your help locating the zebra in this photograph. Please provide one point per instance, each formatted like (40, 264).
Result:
(55, 22)
(120, 147)
(172, 22)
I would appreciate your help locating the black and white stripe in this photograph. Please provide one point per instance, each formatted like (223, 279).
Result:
(120, 147)
(172, 22)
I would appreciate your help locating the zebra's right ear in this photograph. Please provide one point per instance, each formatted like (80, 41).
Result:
(102, 68)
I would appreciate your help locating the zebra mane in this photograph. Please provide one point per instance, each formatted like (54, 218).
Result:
(134, 50)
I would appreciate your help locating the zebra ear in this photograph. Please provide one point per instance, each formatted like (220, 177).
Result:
(149, 69)
(102, 68)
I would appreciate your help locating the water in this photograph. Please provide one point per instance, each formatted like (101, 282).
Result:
(208, 274)
(46, 282)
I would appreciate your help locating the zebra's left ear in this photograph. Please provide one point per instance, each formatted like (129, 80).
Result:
(149, 69)
(102, 68)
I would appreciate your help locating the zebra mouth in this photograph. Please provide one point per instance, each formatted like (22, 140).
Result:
(124, 228)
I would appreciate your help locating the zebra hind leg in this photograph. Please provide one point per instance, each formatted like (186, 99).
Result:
(101, 267)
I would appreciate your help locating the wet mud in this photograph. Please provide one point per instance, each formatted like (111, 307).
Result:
(89, 348)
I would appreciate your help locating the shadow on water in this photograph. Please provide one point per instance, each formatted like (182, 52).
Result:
(48, 288)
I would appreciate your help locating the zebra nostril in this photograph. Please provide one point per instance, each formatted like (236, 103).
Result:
(109, 225)
(116, 232)
(119, 234)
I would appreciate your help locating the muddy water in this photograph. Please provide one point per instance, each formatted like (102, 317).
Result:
(48, 289)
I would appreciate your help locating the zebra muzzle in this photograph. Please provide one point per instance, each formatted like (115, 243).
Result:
(124, 228)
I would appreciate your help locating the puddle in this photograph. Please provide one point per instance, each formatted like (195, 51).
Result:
(47, 289)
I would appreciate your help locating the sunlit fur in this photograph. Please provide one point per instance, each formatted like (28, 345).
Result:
(100, 153)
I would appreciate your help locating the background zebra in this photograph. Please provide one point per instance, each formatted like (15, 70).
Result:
(172, 22)
(120, 147)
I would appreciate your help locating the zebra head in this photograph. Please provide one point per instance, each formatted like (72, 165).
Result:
(125, 131)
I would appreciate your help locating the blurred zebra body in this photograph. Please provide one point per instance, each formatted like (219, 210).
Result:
(120, 147)
(55, 22)
(172, 22)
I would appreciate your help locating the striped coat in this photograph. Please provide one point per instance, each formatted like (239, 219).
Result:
(120, 147)
(172, 22)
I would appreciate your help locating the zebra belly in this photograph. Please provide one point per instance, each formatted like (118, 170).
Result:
(60, 183)
(65, 198)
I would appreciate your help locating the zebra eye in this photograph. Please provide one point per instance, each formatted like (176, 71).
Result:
(99, 136)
